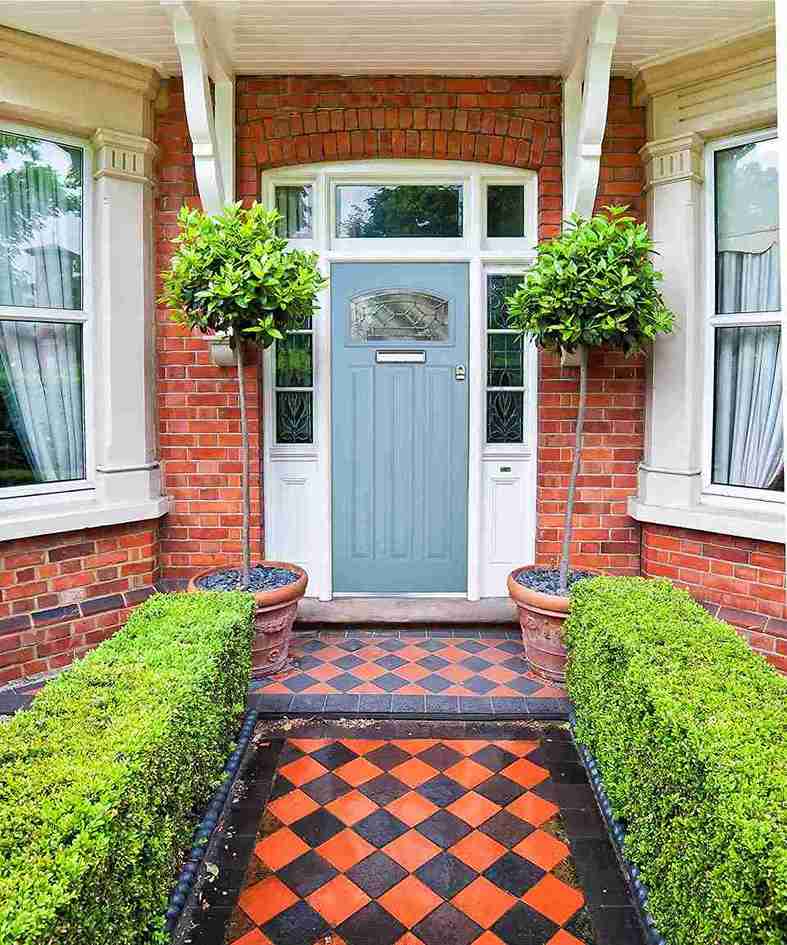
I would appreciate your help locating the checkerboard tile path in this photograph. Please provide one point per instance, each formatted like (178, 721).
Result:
(416, 841)
(417, 673)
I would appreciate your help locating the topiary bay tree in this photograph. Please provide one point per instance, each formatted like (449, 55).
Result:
(592, 286)
(232, 274)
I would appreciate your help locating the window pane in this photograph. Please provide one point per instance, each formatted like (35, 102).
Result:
(294, 361)
(748, 435)
(504, 361)
(293, 416)
(505, 210)
(504, 416)
(399, 315)
(42, 437)
(40, 223)
(747, 228)
(374, 212)
(295, 206)
(498, 289)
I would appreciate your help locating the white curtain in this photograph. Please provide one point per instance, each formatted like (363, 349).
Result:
(41, 375)
(748, 443)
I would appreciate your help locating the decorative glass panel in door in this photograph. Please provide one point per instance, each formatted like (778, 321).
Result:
(399, 406)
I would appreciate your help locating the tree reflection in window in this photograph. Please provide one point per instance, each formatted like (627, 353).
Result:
(398, 210)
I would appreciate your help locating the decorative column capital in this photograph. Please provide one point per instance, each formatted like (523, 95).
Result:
(673, 159)
(123, 156)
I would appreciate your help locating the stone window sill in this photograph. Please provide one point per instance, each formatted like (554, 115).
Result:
(760, 524)
(44, 519)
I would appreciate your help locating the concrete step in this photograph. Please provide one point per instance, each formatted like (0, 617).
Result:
(407, 611)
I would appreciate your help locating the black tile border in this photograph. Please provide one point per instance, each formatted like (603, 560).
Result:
(209, 909)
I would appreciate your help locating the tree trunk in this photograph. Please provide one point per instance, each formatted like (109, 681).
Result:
(568, 523)
(245, 483)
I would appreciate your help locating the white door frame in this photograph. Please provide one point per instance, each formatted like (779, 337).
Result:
(297, 478)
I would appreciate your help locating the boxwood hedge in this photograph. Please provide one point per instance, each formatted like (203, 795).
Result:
(101, 778)
(689, 730)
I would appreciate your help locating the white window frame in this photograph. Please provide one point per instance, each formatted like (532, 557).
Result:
(21, 497)
(724, 494)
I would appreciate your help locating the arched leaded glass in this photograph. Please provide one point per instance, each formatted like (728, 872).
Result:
(399, 315)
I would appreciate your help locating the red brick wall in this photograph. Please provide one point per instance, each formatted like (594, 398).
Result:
(61, 595)
(199, 415)
(604, 536)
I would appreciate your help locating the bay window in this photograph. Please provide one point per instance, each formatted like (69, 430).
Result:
(746, 431)
(43, 314)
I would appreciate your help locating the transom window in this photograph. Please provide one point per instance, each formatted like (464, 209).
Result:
(747, 436)
(42, 313)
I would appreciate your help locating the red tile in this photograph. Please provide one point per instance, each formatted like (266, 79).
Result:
(411, 808)
(413, 772)
(524, 772)
(368, 671)
(473, 808)
(542, 849)
(308, 745)
(407, 939)
(488, 938)
(292, 806)
(483, 902)
(554, 899)
(410, 901)
(414, 745)
(337, 900)
(532, 808)
(411, 850)
(280, 848)
(351, 807)
(467, 746)
(562, 937)
(255, 937)
(478, 851)
(303, 770)
(468, 773)
(266, 899)
(362, 746)
(517, 747)
(359, 770)
(345, 849)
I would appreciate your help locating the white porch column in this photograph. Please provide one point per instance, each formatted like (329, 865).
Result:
(127, 466)
(671, 472)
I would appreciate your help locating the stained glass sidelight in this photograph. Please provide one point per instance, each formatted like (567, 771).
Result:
(294, 361)
(505, 374)
(504, 360)
(504, 416)
(399, 315)
(294, 422)
(499, 287)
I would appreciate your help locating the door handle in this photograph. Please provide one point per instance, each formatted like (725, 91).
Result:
(459, 372)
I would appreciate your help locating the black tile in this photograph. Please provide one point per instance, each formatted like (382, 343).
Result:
(307, 873)
(500, 789)
(433, 662)
(432, 645)
(443, 828)
(383, 789)
(350, 644)
(568, 773)
(380, 827)
(344, 682)
(510, 646)
(372, 924)
(281, 786)
(442, 790)
(514, 873)
(299, 923)
(474, 705)
(326, 788)
(446, 875)
(271, 703)
(374, 702)
(598, 872)
(475, 663)
(548, 707)
(334, 755)
(517, 664)
(551, 752)
(440, 756)
(447, 924)
(480, 685)
(566, 795)
(299, 682)
(471, 646)
(522, 925)
(524, 685)
(390, 682)
(307, 662)
(506, 828)
(317, 827)
(307, 703)
(311, 646)
(387, 756)
(376, 874)
(582, 927)
(509, 705)
(348, 662)
(442, 705)
(434, 683)
(391, 644)
(344, 703)
(442, 633)
(583, 824)
(408, 704)
(617, 927)
(391, 661)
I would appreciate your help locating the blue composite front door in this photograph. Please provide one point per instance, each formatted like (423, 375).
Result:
(399, 404)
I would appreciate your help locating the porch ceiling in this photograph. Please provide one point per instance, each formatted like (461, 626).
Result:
(498, 37)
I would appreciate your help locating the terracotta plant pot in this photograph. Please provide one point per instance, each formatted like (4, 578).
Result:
(274, 617)
(541, 617)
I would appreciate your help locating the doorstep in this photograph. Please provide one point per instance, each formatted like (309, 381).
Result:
(407, 611)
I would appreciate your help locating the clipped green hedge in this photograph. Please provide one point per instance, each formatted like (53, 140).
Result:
(101, 777)
(689, 730)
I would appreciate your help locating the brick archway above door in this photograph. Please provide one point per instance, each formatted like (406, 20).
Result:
(514, 121)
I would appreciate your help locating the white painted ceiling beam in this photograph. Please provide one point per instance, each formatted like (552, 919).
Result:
(585, 101)
(211, 118)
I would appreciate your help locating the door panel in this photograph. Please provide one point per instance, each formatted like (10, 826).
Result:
(399, 429)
